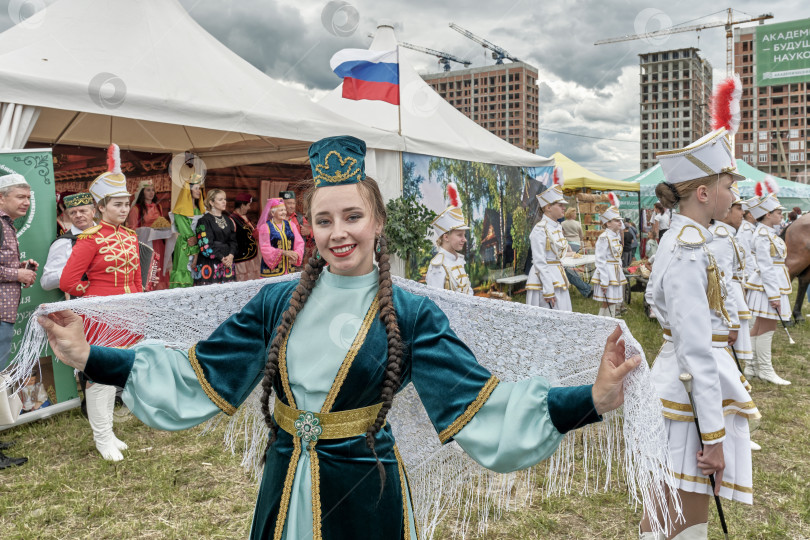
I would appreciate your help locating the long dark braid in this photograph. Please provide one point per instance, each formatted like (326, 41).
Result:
(299, 297)
(393, 368)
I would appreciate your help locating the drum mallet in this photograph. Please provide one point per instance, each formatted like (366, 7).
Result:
(686, 379)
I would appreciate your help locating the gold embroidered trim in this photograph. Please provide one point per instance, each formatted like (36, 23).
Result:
(716, 338)
(286, 492)
(353, 350)
(472, 409)
(335, 425)
(702, 480)
(282, 368)
(338, 176)
(212, 394)
(406, 494)
(685, 407)
(714, 435)
(315, 470)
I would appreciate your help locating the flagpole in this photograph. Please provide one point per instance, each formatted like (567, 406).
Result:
(399, 100)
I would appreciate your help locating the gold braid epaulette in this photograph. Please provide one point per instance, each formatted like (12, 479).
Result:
(87, 233)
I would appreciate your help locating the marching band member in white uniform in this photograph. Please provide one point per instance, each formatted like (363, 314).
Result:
(769, 286)
(447, 268)
(547, 285)
(745, 237)
(731, 258)
(689, 297)
(608, 280)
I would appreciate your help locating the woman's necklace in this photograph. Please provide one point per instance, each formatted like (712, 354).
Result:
(220, 221)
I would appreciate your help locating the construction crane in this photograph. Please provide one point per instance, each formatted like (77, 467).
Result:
(444, 58)
(498, 54)
(729, 24)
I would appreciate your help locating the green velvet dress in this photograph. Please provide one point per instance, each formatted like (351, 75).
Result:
(180, 275)
(335, 361)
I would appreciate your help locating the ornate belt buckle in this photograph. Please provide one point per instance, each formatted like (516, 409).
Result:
(308, 428)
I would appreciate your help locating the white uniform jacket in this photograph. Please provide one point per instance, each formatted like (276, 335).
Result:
(725, 253)
(58, 256)
(678, 287)
(771, 275)
(745, 240)
(448, 271)
(608, 252)
(549, 246)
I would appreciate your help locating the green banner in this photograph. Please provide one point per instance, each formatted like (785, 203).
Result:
(783, 53)
(35, 232)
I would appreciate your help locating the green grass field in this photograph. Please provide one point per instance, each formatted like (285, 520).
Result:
(182, 485)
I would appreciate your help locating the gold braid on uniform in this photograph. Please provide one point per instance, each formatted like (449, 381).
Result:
(714, 291)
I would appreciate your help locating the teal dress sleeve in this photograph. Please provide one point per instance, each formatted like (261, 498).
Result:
(513, 430)
(227, 366)
(512, 425)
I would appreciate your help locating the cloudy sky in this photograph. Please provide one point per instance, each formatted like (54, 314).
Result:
(584, 89)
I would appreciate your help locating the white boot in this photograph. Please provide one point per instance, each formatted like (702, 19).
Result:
(612, 308)
(121, 445)
(695, 532)
(750, 370)
(604, 312)
(755, 447)
(99, 413)
(764, 365)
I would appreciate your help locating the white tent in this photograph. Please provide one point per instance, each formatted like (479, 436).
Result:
(145, 75)
(429, 125)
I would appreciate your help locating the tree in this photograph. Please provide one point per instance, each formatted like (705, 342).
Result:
(411, 182)
(407, 227)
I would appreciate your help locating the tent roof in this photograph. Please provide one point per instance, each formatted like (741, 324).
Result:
(575, 176)
(429, 124)
(145, 75)
(794, 193)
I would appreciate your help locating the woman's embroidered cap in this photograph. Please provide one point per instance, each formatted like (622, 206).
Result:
(337, 160)
(277, 201)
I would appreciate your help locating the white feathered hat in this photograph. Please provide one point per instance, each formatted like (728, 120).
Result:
(554, 194)
(112, 183)
(451, 218)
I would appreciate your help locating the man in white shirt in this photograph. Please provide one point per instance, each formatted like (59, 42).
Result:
(81, 209)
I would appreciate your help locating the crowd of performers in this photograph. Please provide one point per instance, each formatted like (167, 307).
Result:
(719, 265)
(99, 254)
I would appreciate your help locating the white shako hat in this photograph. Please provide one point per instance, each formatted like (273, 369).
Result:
(611, 213)
(112, 183)
(8, 179)
(554, 194)
(748, 203)
(766, 192)
(451, 218)
(613, 210)
(713, 153)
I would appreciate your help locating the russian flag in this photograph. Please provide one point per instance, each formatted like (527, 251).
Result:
(368, 74)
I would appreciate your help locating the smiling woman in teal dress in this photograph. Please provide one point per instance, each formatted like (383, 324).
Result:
(332, 469)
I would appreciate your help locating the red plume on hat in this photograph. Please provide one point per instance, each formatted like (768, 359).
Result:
(114, 159)
(452, 193)
(557, 177)
(725, 105)
(614, 199)
(766, 186)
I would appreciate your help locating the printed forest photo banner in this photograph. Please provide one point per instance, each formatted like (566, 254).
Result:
(499, 205)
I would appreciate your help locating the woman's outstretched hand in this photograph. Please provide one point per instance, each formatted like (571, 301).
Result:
(65, 332)
(608, 389)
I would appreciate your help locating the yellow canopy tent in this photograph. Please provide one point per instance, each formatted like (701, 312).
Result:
(575, 176)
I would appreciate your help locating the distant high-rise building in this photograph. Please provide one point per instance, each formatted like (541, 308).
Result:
(773, 62)
(675, 88)
(482, 95)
